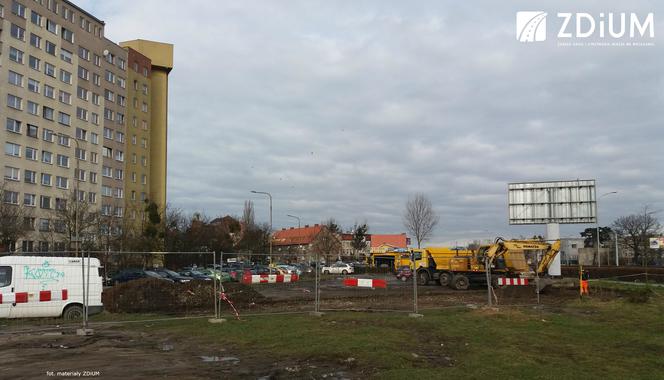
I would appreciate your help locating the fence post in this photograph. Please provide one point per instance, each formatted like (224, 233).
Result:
(415, 313)
(487, 266)
(214, 282)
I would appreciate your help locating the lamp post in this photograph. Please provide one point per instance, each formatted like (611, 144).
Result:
(270, 238)
(76, 232)
(295, 217)
(599, 258)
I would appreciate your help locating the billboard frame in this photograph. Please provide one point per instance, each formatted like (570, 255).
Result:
(547, 202)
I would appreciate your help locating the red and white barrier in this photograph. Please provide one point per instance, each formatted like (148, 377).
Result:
(365, 282)
(268, 278)
(44, 296)
(512, 281)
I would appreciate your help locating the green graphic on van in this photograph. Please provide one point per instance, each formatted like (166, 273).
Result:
(45, 274)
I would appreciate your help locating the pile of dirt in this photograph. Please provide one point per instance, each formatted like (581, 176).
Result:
(152, 295)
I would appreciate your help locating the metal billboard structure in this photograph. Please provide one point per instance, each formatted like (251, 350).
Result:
(552, 203)
(559, 202)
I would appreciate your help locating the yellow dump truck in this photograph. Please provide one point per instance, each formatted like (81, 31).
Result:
(507, 258)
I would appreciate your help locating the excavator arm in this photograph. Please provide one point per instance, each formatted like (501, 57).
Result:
(500, 247)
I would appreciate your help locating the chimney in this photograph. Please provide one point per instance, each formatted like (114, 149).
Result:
(306, 226)
(316, 225)
(292, 228)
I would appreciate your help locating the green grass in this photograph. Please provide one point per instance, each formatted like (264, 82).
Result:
(585, 339)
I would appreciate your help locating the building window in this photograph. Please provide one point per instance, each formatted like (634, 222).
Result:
(108, 114)
(44, 226)
(47, 157)
(15, 78)
(30, 200)
(35, 40)
(51, 26)
(45, 202)
(81, 134)
(93, 177)
(84, 53)
(65, 97)
(96, 79)
(30, 153)
(106, 191)
(119, 155)
(94, 118)
(34, 63)
(29, 176)
(47, 135)
(17, 32)
(109, 95)
(46, 179)
(65, 76)
(48, 113)
(82, 113)
(36, 18)
(80, 174)
(80, 154)
(33, 85)
(49, 69)
(67, 35)
(63, 140)
(14, 102)
(63, 161)
(18, 9)
(92, 197)
(82, 93)
(32, 131)
(83, 73)
(49, 47)
(110, 77)
(16, 55)
(94, 138)
(61, 182)
(10, 197)
(64, 118)
(66, 55)
(13, 125)
(107, 172)
(33, 108)
(12, 149)
(49, 91)
(12, 174)
(94, 158)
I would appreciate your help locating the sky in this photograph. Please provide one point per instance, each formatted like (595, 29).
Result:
(345, 109)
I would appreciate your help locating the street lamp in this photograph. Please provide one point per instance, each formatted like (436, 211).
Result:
(295, 217)
(599, 258)
(76, 231)
(269, 196)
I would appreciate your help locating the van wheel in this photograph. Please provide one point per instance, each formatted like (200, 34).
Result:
(460, 282)
(326, 272)
(344, 272)
(445, 279)
(73, 313)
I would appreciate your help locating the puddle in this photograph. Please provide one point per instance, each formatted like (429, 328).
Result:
(222, 359)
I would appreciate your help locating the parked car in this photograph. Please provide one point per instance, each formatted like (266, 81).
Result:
(404, 273)
(175, 276)
(134, 274)
(290, 269)
(337, 268)
(196, 275)
(217, 274)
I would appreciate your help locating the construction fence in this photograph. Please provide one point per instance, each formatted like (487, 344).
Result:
(112, 287)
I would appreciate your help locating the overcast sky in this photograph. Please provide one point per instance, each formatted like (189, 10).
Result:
(345, 108)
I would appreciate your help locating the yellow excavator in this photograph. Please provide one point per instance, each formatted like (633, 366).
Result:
(520, 259)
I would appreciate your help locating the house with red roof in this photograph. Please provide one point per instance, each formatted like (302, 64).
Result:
(295, 241)
(381, 243)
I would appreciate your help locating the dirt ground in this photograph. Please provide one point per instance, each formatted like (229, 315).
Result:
(115, 353)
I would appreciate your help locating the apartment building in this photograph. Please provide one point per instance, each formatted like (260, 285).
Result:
(67, 99)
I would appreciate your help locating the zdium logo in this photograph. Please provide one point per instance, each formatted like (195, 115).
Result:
(530, 26)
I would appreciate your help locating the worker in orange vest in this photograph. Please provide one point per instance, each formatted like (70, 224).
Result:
(583, 283)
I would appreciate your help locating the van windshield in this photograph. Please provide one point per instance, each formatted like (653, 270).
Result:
(5, 276)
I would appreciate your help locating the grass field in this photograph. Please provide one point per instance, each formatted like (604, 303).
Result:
(584, 339)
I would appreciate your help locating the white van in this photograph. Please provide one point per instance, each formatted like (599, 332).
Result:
(35, 286)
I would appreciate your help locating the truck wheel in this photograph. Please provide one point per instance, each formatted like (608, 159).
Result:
(445, 279)
(73, 313)
(460, 282)
(422, 278)
(404, 279)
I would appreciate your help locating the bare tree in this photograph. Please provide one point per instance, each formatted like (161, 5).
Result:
(326, 243)
(248, 215)
(359, 242)
(12, 214)
(420, 218)
(70, 214)
(636, 230)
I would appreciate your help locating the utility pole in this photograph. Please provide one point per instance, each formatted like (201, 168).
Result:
(270, 237)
